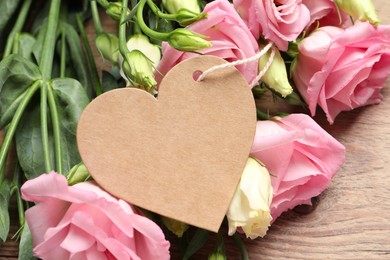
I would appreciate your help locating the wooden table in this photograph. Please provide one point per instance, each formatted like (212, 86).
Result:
(352, 219)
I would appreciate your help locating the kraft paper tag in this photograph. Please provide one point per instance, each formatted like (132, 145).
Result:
(180, 155)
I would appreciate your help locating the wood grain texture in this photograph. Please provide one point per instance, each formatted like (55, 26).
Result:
(352, 219)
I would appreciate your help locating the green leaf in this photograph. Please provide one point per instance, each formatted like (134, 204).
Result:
(26, 44)
(7, 9)
(16, 75)
(71, 101)
(111, 81)
(78, 59)
(197, 242)
(130, 16)
(4, 215)
(26, 245)
(37, 47)
(28, 141)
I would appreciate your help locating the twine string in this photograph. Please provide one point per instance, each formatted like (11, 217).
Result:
(244, 61)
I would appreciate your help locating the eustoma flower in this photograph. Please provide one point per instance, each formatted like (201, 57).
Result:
(230, 38)
(278, 21)
(300, 155)
(341, 69)
(250, 206)
(85, 222)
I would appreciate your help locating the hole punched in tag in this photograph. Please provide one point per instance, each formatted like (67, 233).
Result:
(196, 75)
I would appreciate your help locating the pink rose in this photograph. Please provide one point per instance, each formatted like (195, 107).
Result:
(229, 35)
(302, 157)
(279, 21)
(85, 222)
(324, 12)
(341, 69)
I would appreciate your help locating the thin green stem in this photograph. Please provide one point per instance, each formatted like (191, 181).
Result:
(14, 123)
(144, 27)
(96, 18)
(17, 27)
(63, 55)
(46, 62)
(241, 246)
(56, 129)
(122, 32)
(16, 47)
(19, 201)
(158, 12)
(44, 128)
(136, 29)
(91, 59)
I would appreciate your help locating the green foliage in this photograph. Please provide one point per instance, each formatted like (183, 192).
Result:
(25, 45)
(112, 80)
(7, 10)
(71, 100)
(4, 215)
(78, 60)
(197, 242)
(26, 245)
(17, 74)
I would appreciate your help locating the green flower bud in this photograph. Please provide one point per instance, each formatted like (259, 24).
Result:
(138, 68)
(141, 42)
(78, 173)
(176, 227)
(173, 6)
(108, 46)
(114, 10)
(276, 75)
(186, 17)
(185, 40)
(364, 10)
(217, 256)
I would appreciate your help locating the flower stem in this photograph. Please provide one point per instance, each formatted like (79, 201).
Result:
(16, 47)
(46, 61)
(19, 202)
(122, 32)
(14, 123)
(160, 14)
(63, 55)
(44, 128)
(56, 129)
(144, 27)
(96, 18)
(18, 27)
(91, 60)
(16, 188)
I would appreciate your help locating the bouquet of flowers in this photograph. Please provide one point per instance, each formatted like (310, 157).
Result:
(310, 54)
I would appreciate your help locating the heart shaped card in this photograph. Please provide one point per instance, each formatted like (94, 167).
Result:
(180, 155)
